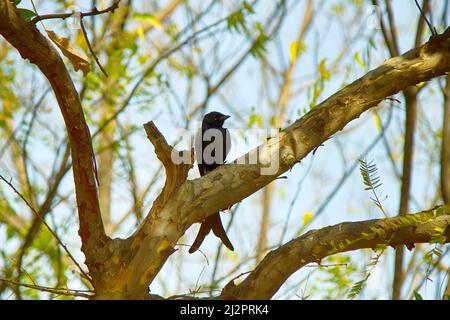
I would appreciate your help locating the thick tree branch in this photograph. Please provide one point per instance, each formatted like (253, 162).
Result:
(151, 245)
(32, 45)
(315, 245)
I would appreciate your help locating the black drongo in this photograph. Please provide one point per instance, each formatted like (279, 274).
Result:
(211, 149)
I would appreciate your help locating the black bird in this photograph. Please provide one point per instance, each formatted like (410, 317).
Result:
(211, 149)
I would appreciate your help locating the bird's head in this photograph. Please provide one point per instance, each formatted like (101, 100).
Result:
(214, 119)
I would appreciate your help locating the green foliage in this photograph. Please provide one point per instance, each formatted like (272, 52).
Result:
(236, 21)
(319, 85)
(10, 102)
(295, 49)
(438, 238)
(255, 118)
(372, 181)
(259, 46)
(417, 296)
(247, 7)
(26, 14)
(334, 278)
(359, 61)
(338, 9)
(360, 285)
(357, 3)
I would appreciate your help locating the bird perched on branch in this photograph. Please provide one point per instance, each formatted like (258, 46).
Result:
(212, 145)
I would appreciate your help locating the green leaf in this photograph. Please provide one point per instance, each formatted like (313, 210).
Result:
(338, 9)
(417, 296)
(358, 60)
(248, 7)
(259, 121)
(149, 18)
(18, 1)
(272, 121)
(252, 119)
(236, 21)
(26, 14)
(324, 73)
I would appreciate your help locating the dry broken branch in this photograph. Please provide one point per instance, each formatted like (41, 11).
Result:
(176, 174)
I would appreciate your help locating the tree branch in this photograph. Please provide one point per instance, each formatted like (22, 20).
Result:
(176, 174)
(315, 245)
(94, 12)
(154, 242)
(32, 45)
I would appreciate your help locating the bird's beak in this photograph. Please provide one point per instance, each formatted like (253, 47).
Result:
(224, 117)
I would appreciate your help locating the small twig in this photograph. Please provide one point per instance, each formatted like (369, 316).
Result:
(240, 275)
(393, 99)
(90, 48)
(59, 291)
(327, 265)
(432, 29)
(303, 297)
(188, 245)
(94, 12)
(198, 280)
(45, 223)
(190, 296)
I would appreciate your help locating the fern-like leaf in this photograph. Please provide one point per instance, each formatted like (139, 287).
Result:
(372, 181)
